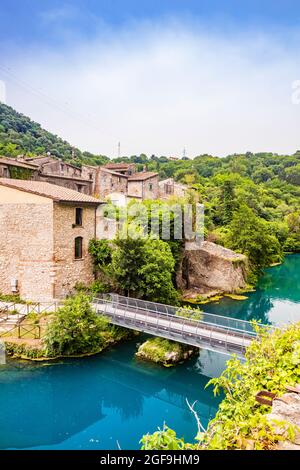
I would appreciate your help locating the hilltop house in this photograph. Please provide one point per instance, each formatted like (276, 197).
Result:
(48, 169)
(120, 182)
(44, 234)
(169, 187)
(12, 168)
(55, 171)
(114, 181)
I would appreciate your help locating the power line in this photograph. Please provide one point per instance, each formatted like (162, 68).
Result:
(49, 100)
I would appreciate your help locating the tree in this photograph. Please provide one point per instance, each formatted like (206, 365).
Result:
(76, 329)
(250, 235)
(292, 174)
(143, 266)
(228, 200)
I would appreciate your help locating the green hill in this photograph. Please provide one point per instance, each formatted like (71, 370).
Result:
(20, 135)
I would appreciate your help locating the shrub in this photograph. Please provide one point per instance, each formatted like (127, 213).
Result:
(76, 329)
(271, 363)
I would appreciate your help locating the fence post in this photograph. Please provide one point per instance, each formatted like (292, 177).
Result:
(19, 331)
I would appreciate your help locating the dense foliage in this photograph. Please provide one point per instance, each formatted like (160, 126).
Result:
(272, 362)
(21, 135)
(252, 200)
(75, 329)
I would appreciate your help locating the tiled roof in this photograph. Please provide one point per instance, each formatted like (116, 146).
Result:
(118, 166)
(13, 162)
(78, 179)
(52, 191)
(44, 160)
(142, 176)
(111, 172)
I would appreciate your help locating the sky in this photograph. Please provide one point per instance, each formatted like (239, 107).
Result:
(210, 76)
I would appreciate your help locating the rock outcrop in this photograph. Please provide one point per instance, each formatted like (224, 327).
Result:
(210, 269)
(165, 352)
(287, 409)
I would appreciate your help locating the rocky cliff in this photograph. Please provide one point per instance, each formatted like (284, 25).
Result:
(210, 269)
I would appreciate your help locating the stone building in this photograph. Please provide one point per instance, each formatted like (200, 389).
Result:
(123, 168)
(169, 187)
(44, 235)
(143, 185)
(48, 169)
(115, 181)
(55, 171)
(12, 168)
(120, 181)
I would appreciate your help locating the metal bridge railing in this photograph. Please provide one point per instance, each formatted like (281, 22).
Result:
(144, 316)
(208, 318)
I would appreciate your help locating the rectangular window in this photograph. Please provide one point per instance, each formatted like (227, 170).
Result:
(78, 216)
(78, 248)
(150, 186)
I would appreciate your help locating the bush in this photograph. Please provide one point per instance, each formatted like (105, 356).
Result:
(271, 363)
(76, 329)
(101, 251)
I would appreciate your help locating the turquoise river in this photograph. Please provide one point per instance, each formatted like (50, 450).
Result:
(111, 400)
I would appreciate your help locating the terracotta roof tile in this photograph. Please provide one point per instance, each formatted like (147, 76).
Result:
(115, 166)
(52, 191)
(14, 162)
(142, 176)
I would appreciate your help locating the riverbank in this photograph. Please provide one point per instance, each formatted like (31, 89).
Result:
(34, 349)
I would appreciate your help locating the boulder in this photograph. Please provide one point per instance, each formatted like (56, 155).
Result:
(287, 409)
(209, 268)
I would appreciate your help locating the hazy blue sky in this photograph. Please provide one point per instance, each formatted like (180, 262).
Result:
(209, 75)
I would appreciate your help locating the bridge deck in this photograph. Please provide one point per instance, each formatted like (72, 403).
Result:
(203, 334)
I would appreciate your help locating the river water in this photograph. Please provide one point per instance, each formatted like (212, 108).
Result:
(113, 399)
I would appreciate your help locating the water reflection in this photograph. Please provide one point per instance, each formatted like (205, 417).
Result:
(276, 299)
(46, 405)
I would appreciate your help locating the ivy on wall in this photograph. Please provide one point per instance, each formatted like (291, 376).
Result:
(18, 173)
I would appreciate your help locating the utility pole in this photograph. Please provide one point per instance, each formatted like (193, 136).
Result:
(119, 149)
(184, 153)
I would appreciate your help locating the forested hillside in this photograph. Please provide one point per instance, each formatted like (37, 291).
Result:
(20, 135)
(252, 201)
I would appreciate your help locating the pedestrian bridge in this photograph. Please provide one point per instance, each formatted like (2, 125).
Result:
(212, 332)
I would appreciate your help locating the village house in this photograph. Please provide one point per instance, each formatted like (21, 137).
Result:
(12, 168)
(55, 171)
(169, 187)
(143, 185)
(119, 182)
(48, 169)
(45, 230)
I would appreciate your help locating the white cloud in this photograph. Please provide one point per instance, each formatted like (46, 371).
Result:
(160, 89)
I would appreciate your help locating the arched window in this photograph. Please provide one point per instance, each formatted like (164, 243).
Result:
(78, 247)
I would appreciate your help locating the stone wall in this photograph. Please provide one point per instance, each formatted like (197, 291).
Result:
(81, 186)
(144, 189)
(70, 271)
(26, 247)
(107, 183)
(152, 193)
